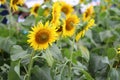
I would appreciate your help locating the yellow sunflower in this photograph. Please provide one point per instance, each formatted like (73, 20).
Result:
(67, 9)
(107, 0)
(46, 12)
(14, 3)
(34, 10)
(71, 22)
(82, 33)
(59, 29)
(118, 50)
(2, 1)
(103, 8)
(88, 13)
(55, 13)
(81, 1)
(46, 0)
(42, 36)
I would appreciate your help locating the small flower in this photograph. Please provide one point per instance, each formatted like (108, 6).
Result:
(46, 12)
(70, 26)
(81, 1)
(88, 13)
(2, 1)
(14, 4)
(118, 50)
(82, 33)
(67, 9)
(56, 14)
(42, 36)
(34, 10)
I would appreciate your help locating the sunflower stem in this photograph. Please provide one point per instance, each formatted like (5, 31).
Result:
(30, 65)
(71, 55)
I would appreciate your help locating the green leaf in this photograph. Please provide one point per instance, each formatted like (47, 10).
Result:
(99, 67)
(114, 74)
(88, 76)
(85, 53)
(49, 58)
(14, 72)
(111, 53)
(17, 52)
(42, 73)
(6, 44)
(105, 35)
(56, 53)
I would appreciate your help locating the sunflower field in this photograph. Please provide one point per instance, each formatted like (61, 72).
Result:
(55, 40)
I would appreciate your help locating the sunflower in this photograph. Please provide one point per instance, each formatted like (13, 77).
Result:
(81, 1)
(82, 33)
(103, 8)
(46, 12)
(118, 50)
(107, 0)
(34, 10)
(71, 22)
(59, 29)
(14, 3)
(46, 0)
(42, 36)
(88, 13)
(55, 13)
(67, 9)
(2, 1)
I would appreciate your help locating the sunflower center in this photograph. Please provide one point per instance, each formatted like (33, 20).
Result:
(15, 2)
(36, 9)
(86, 14)
(65, 10)
(59, 29)
(42, 37)
(69, 26)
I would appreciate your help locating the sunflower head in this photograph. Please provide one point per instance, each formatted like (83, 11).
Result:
(2, 1)
(71, 22)
(88, 13)
(14, 3)
(82, 32)
(42, 36)
(81, 1)
(46, 0)
(67, 9)
(59, 29)
(46, 12)
(55, 13)
(34, 10)
(118, 50)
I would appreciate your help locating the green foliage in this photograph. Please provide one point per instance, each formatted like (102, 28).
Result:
(93, 57)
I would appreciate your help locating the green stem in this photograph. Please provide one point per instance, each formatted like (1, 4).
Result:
(63, 68)
(71, 55)
(30, 65)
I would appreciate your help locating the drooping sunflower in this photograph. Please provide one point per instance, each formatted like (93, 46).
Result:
(82, 32)
(56, 14)
(70, 26)
(81, 1)
(42, 36)
(59, 29)
(14, 4)
(2, 1)
(46, 12)
(34, 10)
(46, 0)
(67, 9)
(118, 50)
(88, 13)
